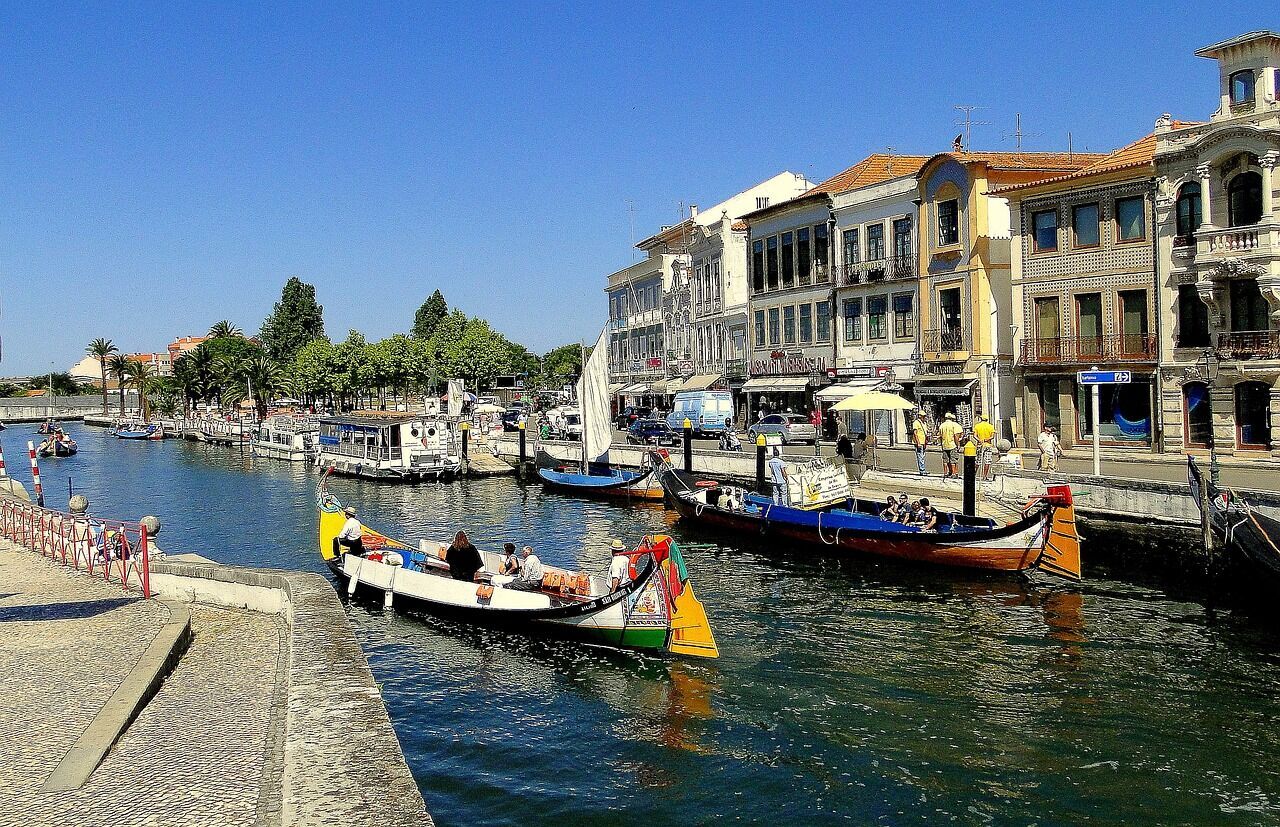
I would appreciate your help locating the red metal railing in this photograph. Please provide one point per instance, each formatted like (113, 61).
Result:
(1119, 347)
(116, 551)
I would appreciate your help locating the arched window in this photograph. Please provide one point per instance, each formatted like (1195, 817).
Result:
(1199, 422)
(1188, 212)
(1253, 415)
(1244, 200)
(1241, 86)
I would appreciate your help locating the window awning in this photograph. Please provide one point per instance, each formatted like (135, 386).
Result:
(635, 389)
(694, 383)
(776, 384)
(659, 387)
(951, 388)
(834, 393)
(615, 387)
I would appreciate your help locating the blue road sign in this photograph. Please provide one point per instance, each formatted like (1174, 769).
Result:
(1104, 377)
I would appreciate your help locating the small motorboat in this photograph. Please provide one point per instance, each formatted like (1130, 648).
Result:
(54, 447)
(47, 427)
(1043, 537)
(139, 430)
(656, 611)
(1249, 530)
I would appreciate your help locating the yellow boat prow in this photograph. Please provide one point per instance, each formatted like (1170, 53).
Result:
(690, 629)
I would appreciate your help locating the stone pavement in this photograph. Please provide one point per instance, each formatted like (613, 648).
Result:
(207, 749)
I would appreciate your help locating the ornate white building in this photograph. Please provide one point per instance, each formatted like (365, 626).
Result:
(1219, 258)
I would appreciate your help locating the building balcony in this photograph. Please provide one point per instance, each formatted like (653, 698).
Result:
(1249, 344)
(946, 344)
(1118, 347)
(876, 270)
(1235, 242)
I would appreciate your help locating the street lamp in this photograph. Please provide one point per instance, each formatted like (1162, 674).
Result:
(1209, 363)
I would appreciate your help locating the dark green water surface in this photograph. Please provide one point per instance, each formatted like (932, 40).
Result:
(847, 691)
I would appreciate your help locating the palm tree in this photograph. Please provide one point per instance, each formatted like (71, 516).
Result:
(262, 378)
(100, 349)
(224, 330)
(142, 377)
(118, 366)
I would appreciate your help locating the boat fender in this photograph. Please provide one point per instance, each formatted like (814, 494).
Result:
(392, 558)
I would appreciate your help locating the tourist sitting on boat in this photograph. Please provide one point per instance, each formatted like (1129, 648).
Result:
(349, 537)
(927, 517)
(530, 578)
(619, 566)
(510, 564)
(463, 558)
(890, 511)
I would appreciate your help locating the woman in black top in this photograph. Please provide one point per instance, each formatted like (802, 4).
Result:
(463, 558)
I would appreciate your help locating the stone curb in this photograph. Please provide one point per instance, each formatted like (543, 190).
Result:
(133, 693)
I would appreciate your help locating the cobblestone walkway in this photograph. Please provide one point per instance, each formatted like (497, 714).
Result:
(198, 754)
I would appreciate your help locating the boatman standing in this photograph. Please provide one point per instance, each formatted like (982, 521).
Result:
(778, 473)
(619, 566)
(350, 536)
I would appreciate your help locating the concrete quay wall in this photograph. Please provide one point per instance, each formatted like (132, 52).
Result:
(342, 762)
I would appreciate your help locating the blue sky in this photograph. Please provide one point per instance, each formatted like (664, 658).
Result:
(165, 166)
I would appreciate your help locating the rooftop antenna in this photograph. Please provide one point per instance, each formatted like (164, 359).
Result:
(888, 167)
(631, 221)
(969, 123)
(1018, 134)
(1069, 148)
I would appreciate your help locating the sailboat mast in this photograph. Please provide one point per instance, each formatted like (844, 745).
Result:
(582, 403)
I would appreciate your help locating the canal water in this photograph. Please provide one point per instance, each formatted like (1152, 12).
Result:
(847, 691)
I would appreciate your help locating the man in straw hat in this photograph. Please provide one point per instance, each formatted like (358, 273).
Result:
(619, 566)
(350, 536)
(949, 433)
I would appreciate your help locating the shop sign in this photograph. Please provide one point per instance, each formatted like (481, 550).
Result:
(817, 483)
(784, 364)
(859, 372)
(654, 362)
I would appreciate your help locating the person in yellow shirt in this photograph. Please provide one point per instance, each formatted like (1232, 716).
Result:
(985, 434)
(949, 433)
(920, 438)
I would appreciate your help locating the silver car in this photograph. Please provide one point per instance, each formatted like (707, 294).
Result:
(792, 427)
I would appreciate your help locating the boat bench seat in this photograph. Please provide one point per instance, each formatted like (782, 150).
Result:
(577, 584)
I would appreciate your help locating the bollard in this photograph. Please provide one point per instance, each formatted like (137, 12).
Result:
(523, 454)
(760, 447)
(3, 472)
(688, 446)
(35, 474)
(465, 427)
(970, 508)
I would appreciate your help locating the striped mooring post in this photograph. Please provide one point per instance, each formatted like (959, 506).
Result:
(35, 473)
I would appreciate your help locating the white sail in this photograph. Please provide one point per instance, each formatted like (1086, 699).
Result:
(457, 393)
(593, 396)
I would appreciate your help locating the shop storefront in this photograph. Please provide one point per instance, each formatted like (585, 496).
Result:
(784, 382)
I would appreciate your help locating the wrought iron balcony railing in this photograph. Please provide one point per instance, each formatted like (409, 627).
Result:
(1249, 344)
(880, 269)
(945, 339)
(1118, 347)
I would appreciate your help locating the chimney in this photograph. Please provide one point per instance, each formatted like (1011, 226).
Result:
(693, 210)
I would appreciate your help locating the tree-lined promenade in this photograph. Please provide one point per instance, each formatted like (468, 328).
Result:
(292, 356)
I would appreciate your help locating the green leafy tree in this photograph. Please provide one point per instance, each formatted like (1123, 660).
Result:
(141, 376)
(311, 370)
(481, 354)
(256, 377)
(429, 315)
(354, 374)
(561, 365)
(62, 383)
(296, 320)
(196, 373)
(8, 389)
(224, 330)
(118, 367)
(100, 349)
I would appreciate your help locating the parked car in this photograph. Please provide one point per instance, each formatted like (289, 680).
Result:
(565, 422)
(630, 414)
(510, 417)
(792, 428)
(652, 432)
(707, 411)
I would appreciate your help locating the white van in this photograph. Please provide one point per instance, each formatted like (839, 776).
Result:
(708, 411)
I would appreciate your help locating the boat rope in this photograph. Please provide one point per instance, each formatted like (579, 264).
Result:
(834, 542)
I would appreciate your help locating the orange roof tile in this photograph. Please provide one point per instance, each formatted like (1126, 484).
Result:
(874, 169)
(1065, 161)
(738, 226)
(1139, 153)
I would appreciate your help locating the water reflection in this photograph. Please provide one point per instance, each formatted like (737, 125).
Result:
(848, 689)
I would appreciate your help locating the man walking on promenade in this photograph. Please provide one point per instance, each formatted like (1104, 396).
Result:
(844, 450)
(985, 434)
(949, 433)
(1050, 449)
(920, 438)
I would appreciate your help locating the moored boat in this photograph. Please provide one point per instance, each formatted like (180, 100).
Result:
(386, 445)
(57, 447)
(133, 429)
(656, 611)
(286, 437)
(225, 431)
(1043, 537)
(616, 482)
(1248, 530)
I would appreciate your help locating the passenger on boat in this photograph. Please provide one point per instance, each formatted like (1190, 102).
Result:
(510, 563)
(463, 558)
(904, 510)
(890, 512)
(778, 474)
(927, 517)
(530, 578)
(619, 566)
(350, 536)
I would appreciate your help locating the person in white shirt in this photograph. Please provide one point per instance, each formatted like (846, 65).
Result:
(619, 566)
(349, 538)
(530, 577)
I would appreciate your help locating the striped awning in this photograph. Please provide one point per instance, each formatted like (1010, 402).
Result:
(834, 393)
(776, 384)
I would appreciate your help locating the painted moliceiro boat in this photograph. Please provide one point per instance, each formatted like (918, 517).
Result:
(1044, 537)
(286, 437)
(132, 429)
(656, 611)
(615, 482)
(1251, 531)
(386, 445)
